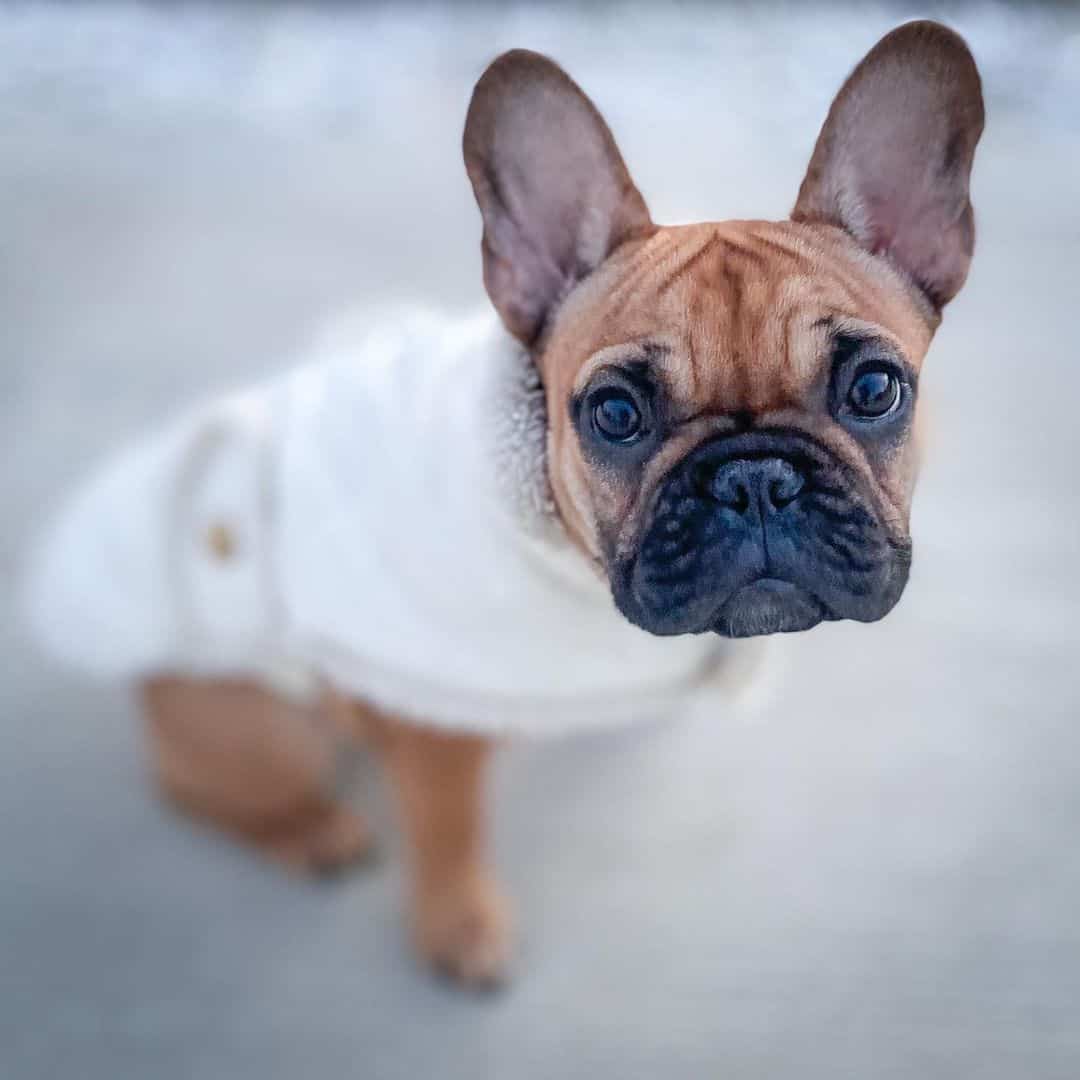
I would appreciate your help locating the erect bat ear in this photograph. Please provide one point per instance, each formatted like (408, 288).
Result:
(893, 162)
(553, 191)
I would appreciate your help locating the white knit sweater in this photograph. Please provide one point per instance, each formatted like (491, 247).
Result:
(378, 519)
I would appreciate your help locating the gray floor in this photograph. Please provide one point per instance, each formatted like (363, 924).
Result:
(875, 876)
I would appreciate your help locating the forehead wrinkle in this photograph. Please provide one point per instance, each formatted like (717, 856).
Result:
(855, 293)
(693, 379)
(856, 290)
(621, 281)
(762, 335)
(725, 294)
(743, 326)
(802, 333)
(843, 284)
(745, 333)
(650, 258)
(664, 288)
(866, 280)
(781, 241)
(779, 386)
(687, 264)
(681, 374)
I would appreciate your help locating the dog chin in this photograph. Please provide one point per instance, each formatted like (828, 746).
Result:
(768, 606)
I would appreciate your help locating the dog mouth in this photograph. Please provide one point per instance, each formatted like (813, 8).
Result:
(769, 605)
(755, 534)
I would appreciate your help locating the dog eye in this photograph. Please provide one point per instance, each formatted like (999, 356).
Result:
(875, 393)
(616, 417)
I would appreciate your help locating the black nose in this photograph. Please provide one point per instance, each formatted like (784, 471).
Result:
(761, 484)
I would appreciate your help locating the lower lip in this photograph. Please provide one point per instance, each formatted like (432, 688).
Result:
(770, 592)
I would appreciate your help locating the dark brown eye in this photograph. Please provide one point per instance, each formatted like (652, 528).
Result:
(616, 417)
(875, 393)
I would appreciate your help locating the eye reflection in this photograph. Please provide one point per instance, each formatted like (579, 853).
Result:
(874, 393)
(617, 417)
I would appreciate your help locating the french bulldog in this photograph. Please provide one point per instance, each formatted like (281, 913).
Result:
(726, 444)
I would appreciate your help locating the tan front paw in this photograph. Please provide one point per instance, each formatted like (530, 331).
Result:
(464, 931)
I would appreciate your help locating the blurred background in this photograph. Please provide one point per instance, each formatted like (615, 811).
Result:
(876, 876)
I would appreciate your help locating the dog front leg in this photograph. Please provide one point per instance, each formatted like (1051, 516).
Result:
(459, 918)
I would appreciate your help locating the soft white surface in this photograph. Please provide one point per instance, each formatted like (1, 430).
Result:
(878, 879)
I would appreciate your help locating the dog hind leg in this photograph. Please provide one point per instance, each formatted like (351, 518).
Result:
(261, 768)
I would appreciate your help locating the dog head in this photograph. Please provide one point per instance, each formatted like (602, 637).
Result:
(730, 405)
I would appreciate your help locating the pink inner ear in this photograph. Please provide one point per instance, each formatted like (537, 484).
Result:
(923, 222)
(893, 160)
(908, 193)
(552, 189)
(882, 229)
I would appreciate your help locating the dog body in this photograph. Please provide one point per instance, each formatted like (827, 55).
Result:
(710, 437)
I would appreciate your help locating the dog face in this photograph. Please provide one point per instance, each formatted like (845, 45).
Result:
(731, 404)
(731, 424)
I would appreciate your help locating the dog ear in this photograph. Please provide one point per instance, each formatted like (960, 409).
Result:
(893, 160)
(553, 191)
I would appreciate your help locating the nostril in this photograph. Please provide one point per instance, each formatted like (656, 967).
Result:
(728, 487)
(702, 477)
(784, 489)
(738, 498)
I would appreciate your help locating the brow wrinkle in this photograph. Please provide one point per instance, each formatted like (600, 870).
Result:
(779, 248)
(745, 252)
(687, 264)
(786, 345)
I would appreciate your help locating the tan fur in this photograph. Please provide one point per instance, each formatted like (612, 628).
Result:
(460, 921)
(261, 768)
